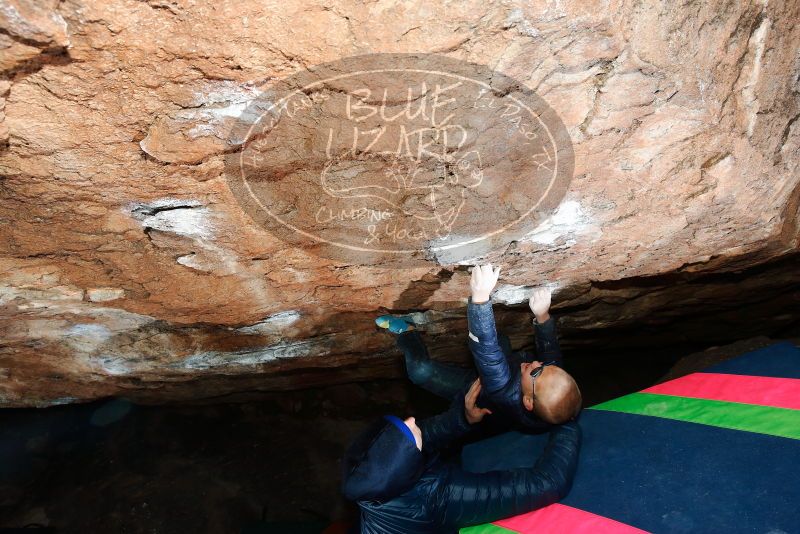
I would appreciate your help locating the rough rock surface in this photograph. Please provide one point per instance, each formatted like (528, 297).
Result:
(128, 268)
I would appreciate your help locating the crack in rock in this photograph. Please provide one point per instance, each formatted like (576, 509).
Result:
(213, 121)
(756, 46)
(188, 218)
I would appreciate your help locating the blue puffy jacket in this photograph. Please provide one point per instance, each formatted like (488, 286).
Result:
(500, 373)
(402, 490)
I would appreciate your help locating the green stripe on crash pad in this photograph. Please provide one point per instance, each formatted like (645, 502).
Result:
(488, 528)
(781, 422)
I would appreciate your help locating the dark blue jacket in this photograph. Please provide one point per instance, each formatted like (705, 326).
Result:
(382, 474)
(499, 372)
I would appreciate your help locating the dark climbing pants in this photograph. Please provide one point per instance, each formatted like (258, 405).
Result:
(439, 378)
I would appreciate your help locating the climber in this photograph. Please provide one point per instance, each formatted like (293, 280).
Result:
(393, 472)
(522, 392)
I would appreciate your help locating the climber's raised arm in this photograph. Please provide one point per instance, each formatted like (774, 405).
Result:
(547, 347)
(489, 357)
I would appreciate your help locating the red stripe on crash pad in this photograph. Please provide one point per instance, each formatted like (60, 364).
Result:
(761, 390)
(567, 520)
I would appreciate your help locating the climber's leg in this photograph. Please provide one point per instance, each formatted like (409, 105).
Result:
(505, 344)
(441, 379)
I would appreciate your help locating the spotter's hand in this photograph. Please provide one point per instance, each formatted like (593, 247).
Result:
(473, 413)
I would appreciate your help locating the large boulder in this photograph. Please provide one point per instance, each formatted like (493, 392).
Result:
(130, 267)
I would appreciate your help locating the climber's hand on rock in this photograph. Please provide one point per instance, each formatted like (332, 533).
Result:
(474, 413)
(484, 278)
(540, 303)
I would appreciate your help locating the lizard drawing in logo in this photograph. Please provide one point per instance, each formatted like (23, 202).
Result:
(432, 190)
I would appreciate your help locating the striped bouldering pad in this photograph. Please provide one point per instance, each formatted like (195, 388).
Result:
(715, 451)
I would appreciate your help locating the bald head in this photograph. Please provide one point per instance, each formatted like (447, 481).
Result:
(557, 398)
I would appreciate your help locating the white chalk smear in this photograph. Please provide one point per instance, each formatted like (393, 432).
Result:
(206, 360)
(568, 221)
(272, 324)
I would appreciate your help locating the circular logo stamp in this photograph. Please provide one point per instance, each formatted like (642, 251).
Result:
(399, 159)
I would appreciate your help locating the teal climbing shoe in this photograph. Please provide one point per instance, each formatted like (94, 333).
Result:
(395, 325)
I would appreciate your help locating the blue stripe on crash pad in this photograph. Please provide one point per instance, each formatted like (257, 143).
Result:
(781, 360)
